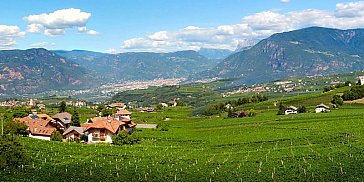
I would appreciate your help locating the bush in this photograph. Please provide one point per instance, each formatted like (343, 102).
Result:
(337, 100)
(123, 138)
(252, 113)
(56, 136)
(15, 128)
(12, 153)
(301, 109)
(281, 109)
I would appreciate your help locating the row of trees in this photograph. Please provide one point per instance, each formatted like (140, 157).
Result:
(222, 106)
(339, 85)
(356, 92)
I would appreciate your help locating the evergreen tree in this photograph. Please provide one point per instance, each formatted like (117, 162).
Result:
(75, 118)
(281, 109)
(62, 106)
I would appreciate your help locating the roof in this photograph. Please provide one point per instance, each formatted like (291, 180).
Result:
(65, 117)
(108, 123)
(117, 104)
(38, 125)
(79, 130)
(292, 108)
(323, 106)
(123, 112)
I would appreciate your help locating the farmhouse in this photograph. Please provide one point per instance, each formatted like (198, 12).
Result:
(322, 108)
(290, 110)
(119, 105)
(361, 80)
(63, 119)
(146, 109)
(172, 103)
(101, 129)
(123, 114)
(40, 126)
(73, 132)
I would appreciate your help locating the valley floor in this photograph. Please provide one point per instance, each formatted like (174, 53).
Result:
(303, 147)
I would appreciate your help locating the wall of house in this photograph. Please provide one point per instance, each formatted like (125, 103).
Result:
(40, 137)
(91, 139)
(318, 110)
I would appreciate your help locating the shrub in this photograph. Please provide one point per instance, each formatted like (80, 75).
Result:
(56, 136)
(252, 113)
(12, 153)
(337, 100)
(123, 138)
(301, 109)
(281, 109)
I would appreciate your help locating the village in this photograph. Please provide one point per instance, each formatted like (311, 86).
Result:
(99, 129)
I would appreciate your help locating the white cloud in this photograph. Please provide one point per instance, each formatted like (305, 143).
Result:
(57, 22)
(285, 1)
(8, 36)
(53, 32)
(92, 32)
(252, 28)
(43, 44)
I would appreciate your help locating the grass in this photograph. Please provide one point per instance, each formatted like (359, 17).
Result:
(303, 147)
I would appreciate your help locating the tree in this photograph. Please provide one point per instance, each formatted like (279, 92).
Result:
(62, 106)
(281, 109)
(12, 153)
(56, 136)
(337, 100)
(15, 128)
(75, 118)
(301, 109)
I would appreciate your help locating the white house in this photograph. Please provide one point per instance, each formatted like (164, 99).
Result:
(290, 110)
(101, 129)
(361, 80)
(73, 132)
(322, 108)
(120, 114)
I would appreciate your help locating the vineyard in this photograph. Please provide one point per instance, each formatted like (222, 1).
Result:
(303, 147)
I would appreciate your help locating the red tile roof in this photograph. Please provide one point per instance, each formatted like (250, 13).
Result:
(38, 124)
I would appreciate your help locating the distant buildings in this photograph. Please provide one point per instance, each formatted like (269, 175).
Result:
(291, 110)
(361, 80)
(322, 108)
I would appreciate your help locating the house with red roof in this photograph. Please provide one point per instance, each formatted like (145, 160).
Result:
(40, 126)
(101, 129)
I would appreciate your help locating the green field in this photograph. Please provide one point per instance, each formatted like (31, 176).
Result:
(303, 147)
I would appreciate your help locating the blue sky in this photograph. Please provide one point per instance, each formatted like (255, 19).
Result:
(163, 25)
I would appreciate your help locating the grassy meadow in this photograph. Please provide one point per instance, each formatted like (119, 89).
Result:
(267, 147)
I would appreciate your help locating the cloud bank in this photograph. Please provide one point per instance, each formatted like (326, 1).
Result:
(252, 29)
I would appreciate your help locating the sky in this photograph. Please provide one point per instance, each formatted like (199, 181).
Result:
(115, 26)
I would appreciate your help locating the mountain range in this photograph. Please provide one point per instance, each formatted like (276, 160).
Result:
(36, 70)
(304, 52)
(141, 65)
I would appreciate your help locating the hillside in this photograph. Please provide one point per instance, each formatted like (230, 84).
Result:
(36, 70)
(215, 53)
(310, 51)
(141, 65)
